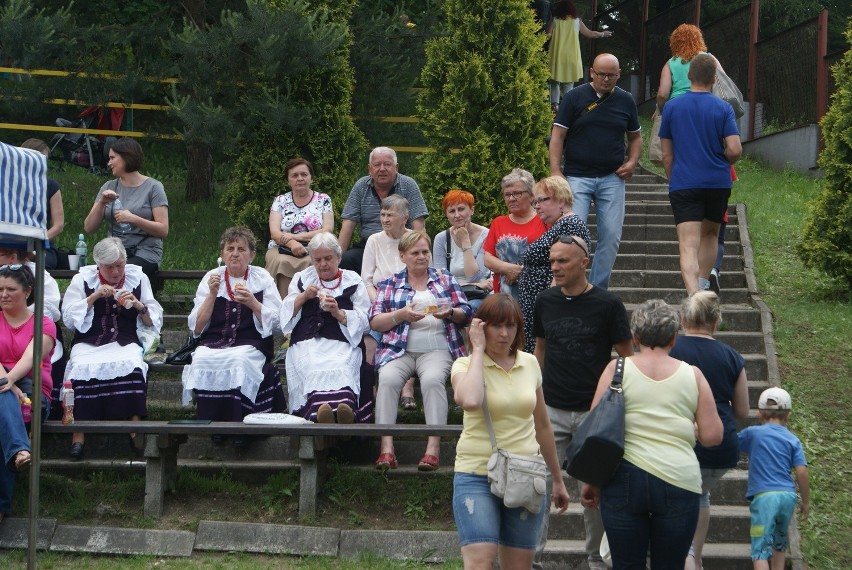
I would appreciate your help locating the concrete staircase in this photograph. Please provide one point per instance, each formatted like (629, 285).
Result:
(647, 267)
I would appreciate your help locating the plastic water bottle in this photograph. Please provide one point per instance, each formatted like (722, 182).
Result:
(123, 227)
(81, 249)
(27, 409)
(68, 403)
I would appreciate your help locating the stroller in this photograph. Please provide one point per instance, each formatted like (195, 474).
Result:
(89, 151)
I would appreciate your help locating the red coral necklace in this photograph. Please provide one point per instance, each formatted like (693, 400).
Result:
(228, 283)
(339, 278)
(105, 282)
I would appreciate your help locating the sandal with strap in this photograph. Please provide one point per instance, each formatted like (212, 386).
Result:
(428, 463)
(386, 461)
(408, 403)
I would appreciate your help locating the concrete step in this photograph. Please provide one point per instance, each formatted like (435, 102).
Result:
(644, 179)
(571, 555)
(674, 295)
(756, 385)
(667, 247)
(651, 216)
(644, 213)
(729, 523)
(661, 262)
(668, 279)
(659, 232)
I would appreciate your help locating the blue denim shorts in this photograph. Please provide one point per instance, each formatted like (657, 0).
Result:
(482, 517)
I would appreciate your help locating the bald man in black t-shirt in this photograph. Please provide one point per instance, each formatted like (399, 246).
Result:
(576, 325)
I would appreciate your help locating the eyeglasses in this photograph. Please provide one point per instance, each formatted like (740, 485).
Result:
(386, 164)
(542, 200)
(606, 76)
(571, 239)
(516, 195)
(14, 267)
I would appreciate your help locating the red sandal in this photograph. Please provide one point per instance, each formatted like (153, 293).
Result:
(386, 461)
(428, 463)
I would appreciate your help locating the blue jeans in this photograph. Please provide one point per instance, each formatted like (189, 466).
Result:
(481, 516)
(14, 439)
(642, 512)
(607, 193)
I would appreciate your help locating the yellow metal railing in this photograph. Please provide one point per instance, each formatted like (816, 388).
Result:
(135, 106)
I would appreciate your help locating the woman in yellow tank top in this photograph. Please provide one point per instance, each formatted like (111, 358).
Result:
(652, 500)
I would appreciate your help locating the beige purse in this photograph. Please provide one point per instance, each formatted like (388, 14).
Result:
(520, 480)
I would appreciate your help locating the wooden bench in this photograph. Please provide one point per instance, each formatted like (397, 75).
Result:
(163, 440)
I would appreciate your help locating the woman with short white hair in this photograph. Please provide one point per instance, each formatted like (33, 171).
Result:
(106, 305)
(325, 313)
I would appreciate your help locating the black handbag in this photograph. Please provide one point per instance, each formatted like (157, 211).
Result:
(471, 291)
(597, 447)
(284, 250)
(474, 292)
(183, 355)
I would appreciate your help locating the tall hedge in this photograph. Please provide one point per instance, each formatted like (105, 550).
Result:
(484, 107)
(827, 242)
(328, 137)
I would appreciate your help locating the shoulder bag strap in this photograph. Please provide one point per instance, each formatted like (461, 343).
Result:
(487, 415)
(617, 375)
(448, 248)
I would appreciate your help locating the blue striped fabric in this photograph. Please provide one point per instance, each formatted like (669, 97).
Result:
(23, 192)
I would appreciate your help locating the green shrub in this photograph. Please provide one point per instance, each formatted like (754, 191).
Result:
(827, 241)
(483, 110)
(327, 136)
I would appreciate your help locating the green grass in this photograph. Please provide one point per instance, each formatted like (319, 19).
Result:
(812, 329)
(813, 325)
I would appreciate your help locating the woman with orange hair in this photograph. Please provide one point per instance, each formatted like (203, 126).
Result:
(459, 249)
(686, 42)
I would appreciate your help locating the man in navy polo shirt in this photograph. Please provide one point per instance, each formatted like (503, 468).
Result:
(365, 202)
(589, 132)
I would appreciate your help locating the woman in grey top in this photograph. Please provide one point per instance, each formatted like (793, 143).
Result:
(134, 206)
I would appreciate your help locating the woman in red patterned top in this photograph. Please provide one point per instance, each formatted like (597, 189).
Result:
(509, 235)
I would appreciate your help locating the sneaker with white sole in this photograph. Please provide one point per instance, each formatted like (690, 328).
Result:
(714, 281)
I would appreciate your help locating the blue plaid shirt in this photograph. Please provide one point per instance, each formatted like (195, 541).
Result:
(395, 293)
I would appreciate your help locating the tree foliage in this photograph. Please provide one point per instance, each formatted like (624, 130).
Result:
(311, 91)
(827, 242)
(483, 110)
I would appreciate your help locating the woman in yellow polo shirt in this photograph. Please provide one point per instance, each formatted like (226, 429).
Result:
(512, 380)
